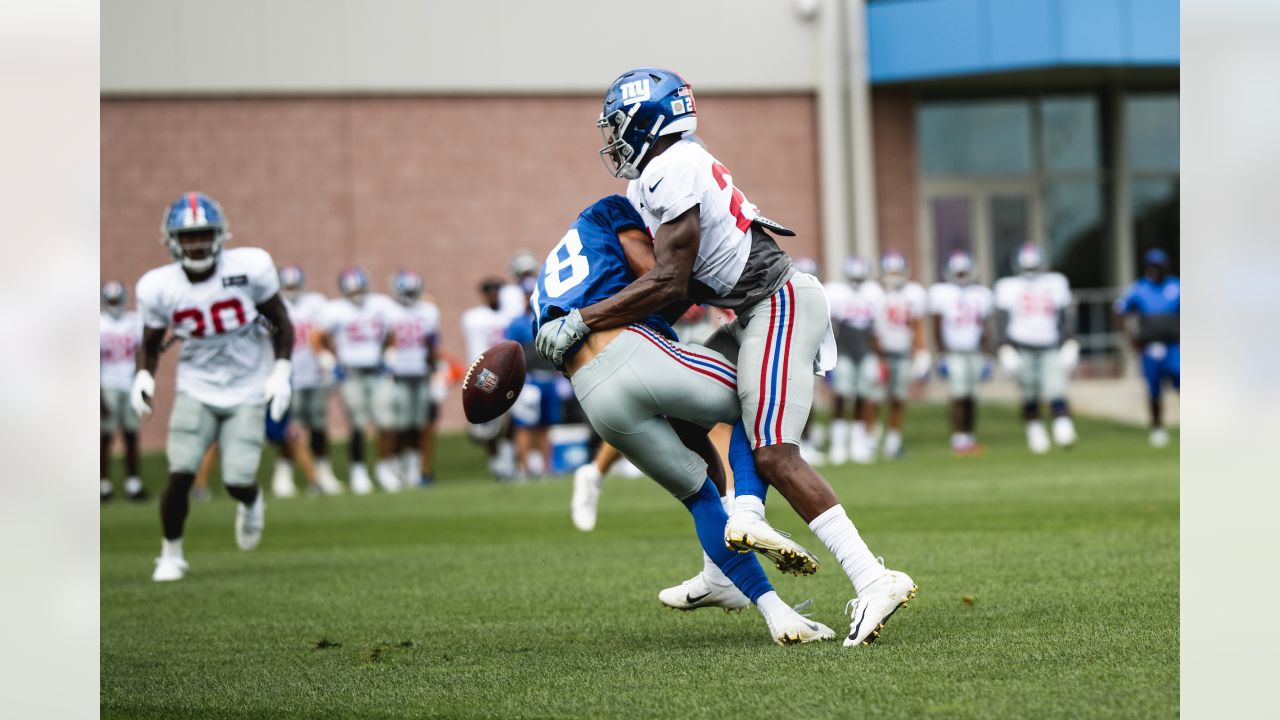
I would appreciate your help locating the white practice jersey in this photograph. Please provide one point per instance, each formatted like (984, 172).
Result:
(855, 306)
(686, 175)
(358, 331)
(898, 309)
(413, 328)
(118, 340)
(226, 354)
(483, 327)
(962, 309)
(1033, 302)
(306, 315)
(512, 301)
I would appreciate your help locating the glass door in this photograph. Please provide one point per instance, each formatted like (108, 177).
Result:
(990, 220)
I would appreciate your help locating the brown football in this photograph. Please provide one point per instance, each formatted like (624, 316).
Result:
(493, 382)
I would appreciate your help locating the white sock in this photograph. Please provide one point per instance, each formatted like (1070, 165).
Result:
(105, 486)
(133, 485)
(712, 572)
(836, 531)
(413, 463)
(283, 465)
(892, 442)
(839, 434)
(858, 435)
(749, 505)
(171, 548)
(770, 605)
(323, 466)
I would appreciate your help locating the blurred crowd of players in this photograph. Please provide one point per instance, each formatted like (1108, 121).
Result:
(381, 353)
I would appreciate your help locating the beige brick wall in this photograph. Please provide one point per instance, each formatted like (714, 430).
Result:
(448, 186)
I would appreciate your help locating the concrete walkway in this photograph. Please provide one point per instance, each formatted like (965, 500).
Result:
(1120, 399)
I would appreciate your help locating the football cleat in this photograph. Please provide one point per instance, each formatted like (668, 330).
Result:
(360, 482)
(1064, 431)
(326, 480)
(250, 520)
(1159, 437)
(105, 490)
(796, 629)
(169, 569)
(746, 533)
(282, 481)
(586, 497)
(387, 478)
(872, 609)
(696, 593)
(1037, 438)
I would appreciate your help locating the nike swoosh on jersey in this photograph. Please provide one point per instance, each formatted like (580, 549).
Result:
(655, 185)
(691, 599)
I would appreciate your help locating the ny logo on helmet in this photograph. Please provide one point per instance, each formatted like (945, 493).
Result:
(635, 91)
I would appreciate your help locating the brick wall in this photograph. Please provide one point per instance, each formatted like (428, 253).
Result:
(893, 120)
(450, 187)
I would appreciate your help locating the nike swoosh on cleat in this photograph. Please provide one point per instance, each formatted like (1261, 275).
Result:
(691, 600)
(812, 626)
(655, 185)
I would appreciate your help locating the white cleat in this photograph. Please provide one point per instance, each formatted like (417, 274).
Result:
(1037, 438)
(169, 569)
(586, 497)
(327, 481)
(796, 629)
(839, 455)
(360, 482)
(387, 479)
(696, 593)
(1159, 437)
(282, 481)
(745, 533)
(871, 610)
(250, 519)
(1064, 431)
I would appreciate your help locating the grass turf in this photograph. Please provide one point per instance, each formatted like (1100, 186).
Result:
(1048, 588)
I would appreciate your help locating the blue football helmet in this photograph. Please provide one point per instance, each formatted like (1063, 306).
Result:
(406, 285)
(1030, 259)
(640, 106)
(960, 267)
(113, 298)
(354, 284)
(195, 212)
(855, 269)
(1156, 256)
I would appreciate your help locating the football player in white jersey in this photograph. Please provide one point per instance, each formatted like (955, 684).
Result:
(353, 328)
(711, 246)
(1033, 315)
(406, 406)
(312, 379)
(900, 331)
(229, 371)
(512, 300)
(855, 381)
(119, 333)
(960, 307)
(484, 326)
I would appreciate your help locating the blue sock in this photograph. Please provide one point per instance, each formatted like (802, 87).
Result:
(743, 461)
(709, 519)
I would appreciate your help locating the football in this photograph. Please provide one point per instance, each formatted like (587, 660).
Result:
(493, 382)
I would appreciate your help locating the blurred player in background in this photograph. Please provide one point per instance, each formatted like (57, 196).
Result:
(353, 328)
(484, 326)
(229, 369)
(960, 307)
(119, 334)
(900, 333)
(312, 378)
(855, 381)
(539, 405)
(1155, 299)
(813, 435)
(1033, 311)
(513, 301)
(410, 354)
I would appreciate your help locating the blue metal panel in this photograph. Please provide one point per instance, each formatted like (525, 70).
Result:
(1092, 31)
(1154, 28)
(934, 38)
(1021, 32)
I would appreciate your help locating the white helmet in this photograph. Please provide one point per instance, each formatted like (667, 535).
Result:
(960, 267)
(1030, 259)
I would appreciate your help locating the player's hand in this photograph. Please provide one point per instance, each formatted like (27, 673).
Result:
(1009, 359)
(920, 365)
(1069, 355)
(277, 389)
(327, 363)
(144, 388)
(556, 337)
(985, 373)
(389, 357)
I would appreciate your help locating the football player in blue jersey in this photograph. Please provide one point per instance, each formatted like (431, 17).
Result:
(1155, 300)
(711, 245)
(654, 399)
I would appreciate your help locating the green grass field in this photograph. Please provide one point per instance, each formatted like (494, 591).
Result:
(1048, 588)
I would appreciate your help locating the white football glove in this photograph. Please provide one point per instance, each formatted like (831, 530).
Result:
(327, 363)
(144, 388)
(556, 337)
(920, 365)
(1069, 355)
(1009, 358)
(277, 389)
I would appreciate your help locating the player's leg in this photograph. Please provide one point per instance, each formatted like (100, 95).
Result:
(282, 475)
(311, 410)
(355, 391)
(588, 481)
(389, 402)
(963, 370)
(844, 386)
(192, 428)
(524, 417)
(240, 439)
(428, 434)
(104, 458)
(1054, 388)
(870, 393)
(1029, 385)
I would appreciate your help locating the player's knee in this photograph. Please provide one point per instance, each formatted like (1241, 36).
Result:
(180, 483)
(774, 462)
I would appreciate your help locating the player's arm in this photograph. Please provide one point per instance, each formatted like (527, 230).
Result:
(274, 311)
(637, 246)
(937, 332)
(149, 349)
(1123, 310)
(675, 250)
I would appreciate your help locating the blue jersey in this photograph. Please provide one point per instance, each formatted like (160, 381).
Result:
(1157, 306)
(588, 264)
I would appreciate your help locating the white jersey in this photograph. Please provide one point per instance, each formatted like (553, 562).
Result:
(855, 306)
(686, 175)
(413, 328)
(358, 331)
(512, 301)
(305, 315)
(483, 327)
(1033, 302)
(118, 340)
(226, 355)
(962, 309)
(897, 311)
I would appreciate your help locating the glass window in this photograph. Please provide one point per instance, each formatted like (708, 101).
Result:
(1010, 229)
(1078, 246)
(1151, 132)
(952, 229)
(1069, 133)
(1153, 204)
(976, 138)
